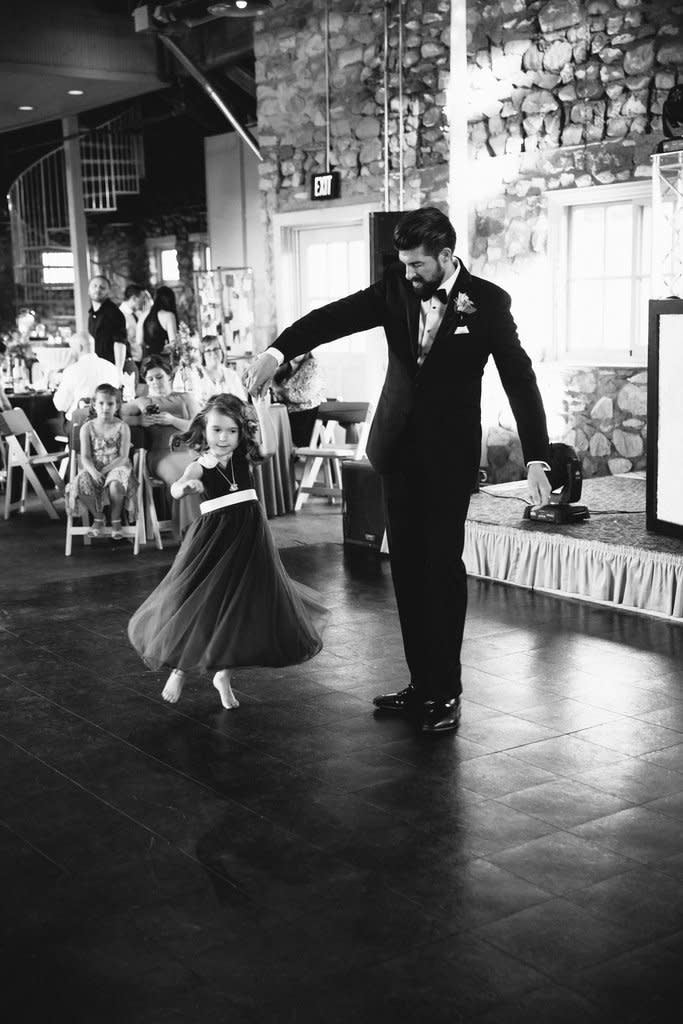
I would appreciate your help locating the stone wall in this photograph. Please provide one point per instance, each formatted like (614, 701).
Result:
(600, 411)
(569, 94)
(563, 94)
(290, 76)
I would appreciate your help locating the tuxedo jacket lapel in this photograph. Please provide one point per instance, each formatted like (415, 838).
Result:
(413, 318)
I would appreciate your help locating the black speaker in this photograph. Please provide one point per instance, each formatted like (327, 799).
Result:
(382, 251)
(362, 505)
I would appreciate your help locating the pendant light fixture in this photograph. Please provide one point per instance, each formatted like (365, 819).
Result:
(239, 8)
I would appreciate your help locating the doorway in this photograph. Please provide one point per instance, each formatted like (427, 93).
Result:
(322, 256)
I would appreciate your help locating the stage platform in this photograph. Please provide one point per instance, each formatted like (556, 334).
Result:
(609, 559)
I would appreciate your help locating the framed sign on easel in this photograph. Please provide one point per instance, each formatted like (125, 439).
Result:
(664, 502)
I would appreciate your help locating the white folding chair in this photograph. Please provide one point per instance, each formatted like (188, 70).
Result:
(136, 531)
(324, 451)
(24, 456)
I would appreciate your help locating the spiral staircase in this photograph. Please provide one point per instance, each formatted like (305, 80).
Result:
(112, 163)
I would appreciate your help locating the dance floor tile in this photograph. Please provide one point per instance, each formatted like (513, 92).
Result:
(635, 832)
(564, 803)
(557, 938)
(669, 758)
(566, 755)
(498, 774)
(305, 858)
(560, 862)
(551, 1004)
(647, 897)
(636, 779)
(636, 987)
(630, 736)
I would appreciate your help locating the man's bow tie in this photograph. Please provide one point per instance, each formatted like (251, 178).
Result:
(442, 295)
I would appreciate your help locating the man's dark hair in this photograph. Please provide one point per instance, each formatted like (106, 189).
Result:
(427, 227)
(133, 291)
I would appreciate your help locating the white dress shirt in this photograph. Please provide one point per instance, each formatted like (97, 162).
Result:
(80, 379)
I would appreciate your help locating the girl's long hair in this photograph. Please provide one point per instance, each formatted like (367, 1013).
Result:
(237, 410)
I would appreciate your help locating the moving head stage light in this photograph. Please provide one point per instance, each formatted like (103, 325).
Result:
(565, 478)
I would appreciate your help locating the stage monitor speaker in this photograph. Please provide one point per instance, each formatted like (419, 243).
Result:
(382, 251)
(362, 505)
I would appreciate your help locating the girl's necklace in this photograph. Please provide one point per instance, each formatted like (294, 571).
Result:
(232, 483)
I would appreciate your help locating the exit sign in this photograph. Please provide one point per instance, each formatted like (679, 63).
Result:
(326, 185)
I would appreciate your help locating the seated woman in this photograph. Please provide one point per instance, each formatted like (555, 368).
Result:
(300, 386)
(218, 379)
(158, 330)
(164, 413)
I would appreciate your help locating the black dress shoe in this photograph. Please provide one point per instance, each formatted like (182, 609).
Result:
(441, 715)
(404, 700)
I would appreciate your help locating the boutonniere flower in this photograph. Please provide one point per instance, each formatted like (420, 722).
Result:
(207, 460)
(464, 304)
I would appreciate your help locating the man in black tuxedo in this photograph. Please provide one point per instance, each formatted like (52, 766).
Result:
(441, 325)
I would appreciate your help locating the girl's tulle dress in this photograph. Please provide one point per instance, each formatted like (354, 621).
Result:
(227, 600)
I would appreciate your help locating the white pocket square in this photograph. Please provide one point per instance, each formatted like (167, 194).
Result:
(461, 330)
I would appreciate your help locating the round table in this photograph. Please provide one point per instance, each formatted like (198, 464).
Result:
(274, 480)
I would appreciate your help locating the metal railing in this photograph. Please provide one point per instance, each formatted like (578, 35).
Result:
(112, 162)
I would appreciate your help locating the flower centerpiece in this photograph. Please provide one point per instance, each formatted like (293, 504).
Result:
(186, 359)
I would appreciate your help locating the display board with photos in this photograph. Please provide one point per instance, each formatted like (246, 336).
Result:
(665, 424)
(225, 304)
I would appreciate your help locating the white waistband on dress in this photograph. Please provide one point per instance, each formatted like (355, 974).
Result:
(227, 499)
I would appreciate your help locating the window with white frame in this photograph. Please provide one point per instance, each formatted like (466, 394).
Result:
(602, 242)
(163, 258)
(58, 269)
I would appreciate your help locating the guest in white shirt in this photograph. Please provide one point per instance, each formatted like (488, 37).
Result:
(136, 302)
(81, 378)
(218, 379)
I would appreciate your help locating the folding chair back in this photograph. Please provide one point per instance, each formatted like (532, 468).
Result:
(324, 452)
(151, 485)
(23, 456)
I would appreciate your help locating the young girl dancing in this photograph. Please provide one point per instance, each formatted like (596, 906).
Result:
(107, 474)
(226, 601)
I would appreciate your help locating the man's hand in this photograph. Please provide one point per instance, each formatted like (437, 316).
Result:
(539, 485)
(260, 373)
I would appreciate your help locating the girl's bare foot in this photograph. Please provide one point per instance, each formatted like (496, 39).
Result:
(222, 683)
(174, 686)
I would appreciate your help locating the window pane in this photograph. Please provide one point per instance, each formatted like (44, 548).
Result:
(643, 294)
(585, 315)
(57, 259)
(587, 241)
(617, 315)
(169, 265)
(58, 268)
(645, 239)
(619, 231)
